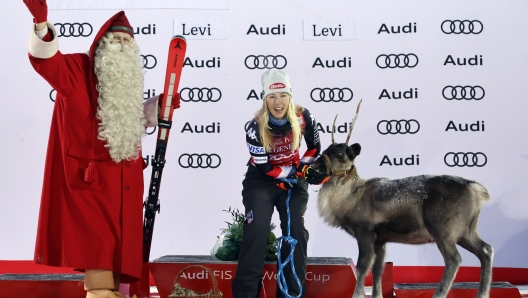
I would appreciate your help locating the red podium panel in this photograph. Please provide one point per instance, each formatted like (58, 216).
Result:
(325, 277)
(458, 290)
(42, 285)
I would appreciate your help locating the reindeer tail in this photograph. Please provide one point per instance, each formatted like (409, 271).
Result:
(483, 193)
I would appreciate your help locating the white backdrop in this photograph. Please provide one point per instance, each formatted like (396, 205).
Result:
(192, 200)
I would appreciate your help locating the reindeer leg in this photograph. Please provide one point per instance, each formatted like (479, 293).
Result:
(474, 244)
(452, 261)
(377, 269)
(366, 256)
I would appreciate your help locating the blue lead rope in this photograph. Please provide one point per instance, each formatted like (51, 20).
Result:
(281, 280)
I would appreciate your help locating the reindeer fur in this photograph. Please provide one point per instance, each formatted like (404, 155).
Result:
(413, 210)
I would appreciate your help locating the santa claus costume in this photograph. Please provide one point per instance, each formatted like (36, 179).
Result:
(91, 205)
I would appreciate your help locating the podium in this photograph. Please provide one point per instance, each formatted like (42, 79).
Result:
(325, 277)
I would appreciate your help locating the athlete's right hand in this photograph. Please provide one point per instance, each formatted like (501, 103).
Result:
(39, 10)
(284, 185)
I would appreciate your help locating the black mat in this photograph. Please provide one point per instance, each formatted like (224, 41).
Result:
(456, 285)
(43, 277)
(209, 259)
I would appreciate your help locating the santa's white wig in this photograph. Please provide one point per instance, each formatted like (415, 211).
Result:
(120, 111)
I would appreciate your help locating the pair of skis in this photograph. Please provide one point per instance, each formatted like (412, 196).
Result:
(175, 62)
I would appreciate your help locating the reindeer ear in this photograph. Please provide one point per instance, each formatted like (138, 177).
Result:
(354, 150)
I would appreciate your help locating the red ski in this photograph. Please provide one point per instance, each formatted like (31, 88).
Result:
(175, 61)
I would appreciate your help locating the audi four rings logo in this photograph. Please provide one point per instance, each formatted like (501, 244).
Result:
(331, 94)
(462, 27)
(397, 61)
(268, 61)
(463, 92)
(149, 61)
(52, 95)
(200, 94)
(74, 29)
(150, 132)
(465, 159)
(202, 161)
(398, 127)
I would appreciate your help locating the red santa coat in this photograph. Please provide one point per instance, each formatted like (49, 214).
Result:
(83, 225)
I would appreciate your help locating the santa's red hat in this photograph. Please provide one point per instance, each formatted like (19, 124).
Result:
(121, 24)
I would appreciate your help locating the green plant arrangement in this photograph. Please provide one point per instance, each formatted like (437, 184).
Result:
(228, 244)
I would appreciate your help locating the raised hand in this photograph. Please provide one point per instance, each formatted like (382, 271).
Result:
(38, 9)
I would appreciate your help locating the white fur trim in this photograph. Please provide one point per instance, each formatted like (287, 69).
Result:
(150, 110)
(42, 33)
(42, 49)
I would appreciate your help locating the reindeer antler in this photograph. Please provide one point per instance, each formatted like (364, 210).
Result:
(353, 122)
(333, 129)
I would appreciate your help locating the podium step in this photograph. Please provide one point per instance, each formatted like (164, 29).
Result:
(325, 277)
(42, 285)
(458, 290)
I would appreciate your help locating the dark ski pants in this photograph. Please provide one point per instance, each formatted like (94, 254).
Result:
(260, 197)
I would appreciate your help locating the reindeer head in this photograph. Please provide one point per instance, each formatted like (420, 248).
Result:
(338, 159)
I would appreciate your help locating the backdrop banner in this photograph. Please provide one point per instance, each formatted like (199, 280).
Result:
(443, 85)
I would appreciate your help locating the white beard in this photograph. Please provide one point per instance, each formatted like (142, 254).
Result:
(120, 103)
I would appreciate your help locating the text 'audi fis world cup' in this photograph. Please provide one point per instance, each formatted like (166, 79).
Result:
(202, 161)
(73, 29)
(463, 92)
(331, 94)
(384, 61)
(265, 61)
(465, 159)
(393, 127)
(200, 94)
(462, 27)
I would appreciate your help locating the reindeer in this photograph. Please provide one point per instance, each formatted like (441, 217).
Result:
(414, 210)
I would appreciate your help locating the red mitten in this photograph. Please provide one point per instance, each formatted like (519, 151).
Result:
(39, 10)
(175, 103)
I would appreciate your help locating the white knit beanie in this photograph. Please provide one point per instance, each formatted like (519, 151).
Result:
(275, 80)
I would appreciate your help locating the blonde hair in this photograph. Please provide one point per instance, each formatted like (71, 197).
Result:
(263, 116)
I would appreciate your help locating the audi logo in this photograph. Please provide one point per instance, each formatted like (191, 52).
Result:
(463, 92)
(74, 29)
(202, 161)
(397, 61)
(331, 94)
(462, 27)
(52, 95)
(151, 132)
(149, 61)
(200, 94)
(268, 61)
(395, 127)
(465, 159)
